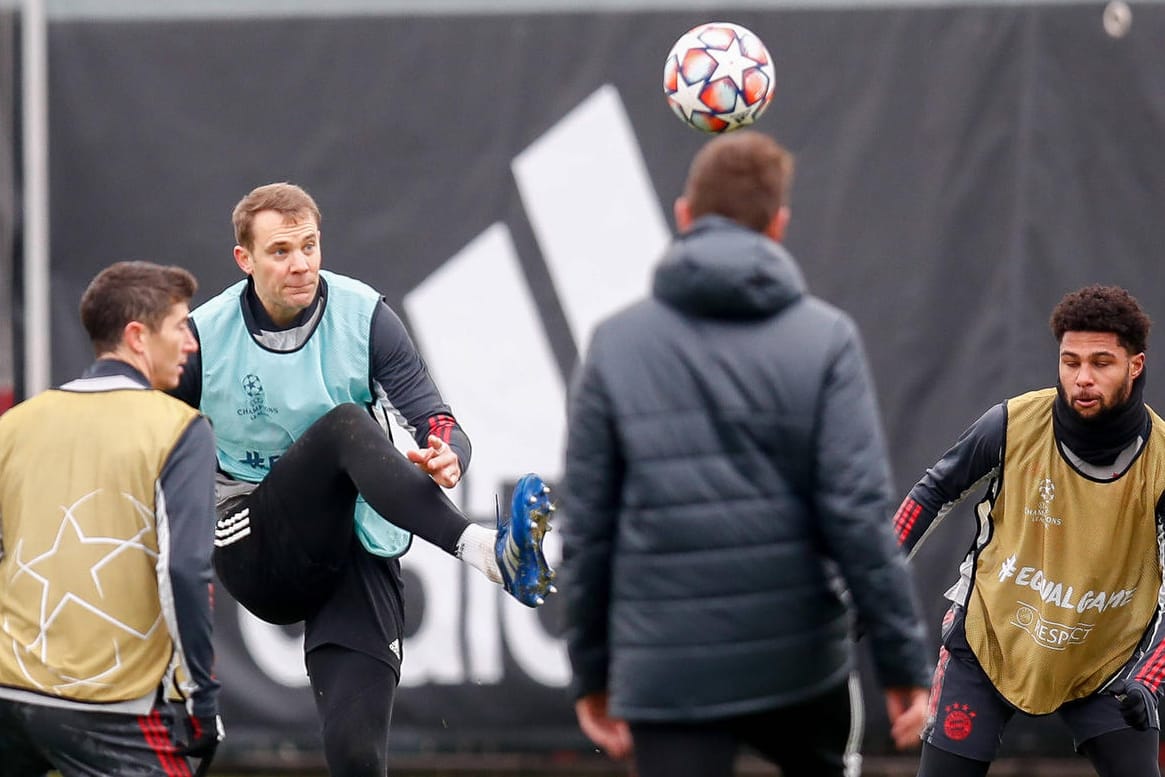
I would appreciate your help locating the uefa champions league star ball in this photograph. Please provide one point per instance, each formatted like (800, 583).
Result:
(718, 77)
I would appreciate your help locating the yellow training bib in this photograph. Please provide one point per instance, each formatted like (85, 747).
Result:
(1068, 581)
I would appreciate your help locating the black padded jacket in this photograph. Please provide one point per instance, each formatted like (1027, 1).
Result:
(726, 500)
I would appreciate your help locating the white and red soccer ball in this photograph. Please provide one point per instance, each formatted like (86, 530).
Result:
(718, 77)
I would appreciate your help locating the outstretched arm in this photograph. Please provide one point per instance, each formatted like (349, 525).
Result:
(1140, 695)
(412, 396)
(975, 457)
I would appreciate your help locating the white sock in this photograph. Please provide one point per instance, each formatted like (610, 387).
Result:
(475, 547)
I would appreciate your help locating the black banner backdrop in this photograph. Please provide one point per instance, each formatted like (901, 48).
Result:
(959, 169)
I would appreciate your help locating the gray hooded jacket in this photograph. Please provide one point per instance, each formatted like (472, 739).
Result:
(727, 496)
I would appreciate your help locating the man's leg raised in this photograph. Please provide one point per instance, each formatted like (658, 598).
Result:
(303, 510)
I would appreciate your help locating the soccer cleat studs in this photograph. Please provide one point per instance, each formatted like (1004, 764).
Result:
(525, 574)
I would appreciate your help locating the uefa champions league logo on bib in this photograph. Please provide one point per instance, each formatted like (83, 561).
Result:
(1047, 493)
(256, 398)
(1043, 513)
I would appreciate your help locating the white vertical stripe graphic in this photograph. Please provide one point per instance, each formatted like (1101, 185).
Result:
(479, 330)
(166, 591)
(599, 226)
(593, 209)
(857, 728)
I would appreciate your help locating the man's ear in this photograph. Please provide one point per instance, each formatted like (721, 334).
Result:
(1137, 365)
(243, 259)
(134, 336)
(683, 214)
(778, 224)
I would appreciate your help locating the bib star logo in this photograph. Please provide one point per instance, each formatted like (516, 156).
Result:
(69, 573)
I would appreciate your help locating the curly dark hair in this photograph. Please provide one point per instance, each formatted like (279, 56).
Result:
(1099, 308)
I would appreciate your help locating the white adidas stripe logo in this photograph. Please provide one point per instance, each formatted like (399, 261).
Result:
(230, 530)
(600, 230)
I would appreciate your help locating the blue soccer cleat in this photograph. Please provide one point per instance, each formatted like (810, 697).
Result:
(525, 574)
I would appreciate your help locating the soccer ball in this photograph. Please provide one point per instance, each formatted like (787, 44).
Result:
(718, 77)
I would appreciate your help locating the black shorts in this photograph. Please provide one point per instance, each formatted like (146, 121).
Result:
(280, 550)
(967, 715)
(365, 611)
(35, 739)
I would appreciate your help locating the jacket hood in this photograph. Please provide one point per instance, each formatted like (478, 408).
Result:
(720, 269)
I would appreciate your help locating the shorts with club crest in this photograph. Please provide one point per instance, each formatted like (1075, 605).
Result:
(967, 715)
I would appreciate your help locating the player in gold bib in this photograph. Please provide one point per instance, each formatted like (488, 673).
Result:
(1057, 607)
(106, 528)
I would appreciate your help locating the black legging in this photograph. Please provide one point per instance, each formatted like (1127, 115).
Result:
(354, 696)
(1124, 753)
(301, 514)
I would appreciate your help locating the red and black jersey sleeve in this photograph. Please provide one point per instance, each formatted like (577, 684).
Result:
(409, 390)
(976, 456)
(1149, 667)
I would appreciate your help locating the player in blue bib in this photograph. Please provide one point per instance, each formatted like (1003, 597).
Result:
(297, 368)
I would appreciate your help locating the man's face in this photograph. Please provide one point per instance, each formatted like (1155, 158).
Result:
(167, 346)
(1096, 372)
(284, 262)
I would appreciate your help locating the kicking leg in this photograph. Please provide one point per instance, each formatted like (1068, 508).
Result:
(301, 519)
(345, 453)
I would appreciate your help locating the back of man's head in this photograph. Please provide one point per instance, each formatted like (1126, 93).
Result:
(131, 291)
(742, 175)
(1099, 308)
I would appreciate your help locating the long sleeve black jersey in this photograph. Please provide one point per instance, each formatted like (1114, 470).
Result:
(974, 464)
(398, 376)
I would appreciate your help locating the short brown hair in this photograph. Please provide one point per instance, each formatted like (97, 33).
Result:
(1099, 308)
(284, 198)
(131, 291)
(742, 175)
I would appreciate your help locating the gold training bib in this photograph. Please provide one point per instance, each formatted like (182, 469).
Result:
(1068, 581)
(81, 612)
